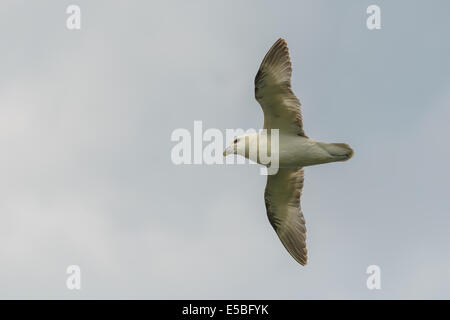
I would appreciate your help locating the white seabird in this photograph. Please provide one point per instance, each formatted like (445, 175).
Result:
(282, 111)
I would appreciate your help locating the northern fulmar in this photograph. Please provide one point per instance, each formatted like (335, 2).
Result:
(295, 150)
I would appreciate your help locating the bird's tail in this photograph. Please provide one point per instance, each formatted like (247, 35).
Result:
(339, 151)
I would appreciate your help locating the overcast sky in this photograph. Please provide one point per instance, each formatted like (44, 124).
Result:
(86, 176)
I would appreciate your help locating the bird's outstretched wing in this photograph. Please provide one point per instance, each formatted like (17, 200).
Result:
(273, 91)
(282, 197)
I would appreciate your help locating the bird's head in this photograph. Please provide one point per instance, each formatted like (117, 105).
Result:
(241, 145)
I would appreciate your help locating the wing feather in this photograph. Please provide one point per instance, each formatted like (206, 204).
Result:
(282, 197)
(273, 91)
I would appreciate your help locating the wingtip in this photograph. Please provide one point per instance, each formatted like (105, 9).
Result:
(303, 261)
(281, 42)
(303, 264)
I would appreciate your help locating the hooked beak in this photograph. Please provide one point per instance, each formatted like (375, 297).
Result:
(228, 151)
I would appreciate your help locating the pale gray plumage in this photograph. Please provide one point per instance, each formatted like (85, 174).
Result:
(282, 197)
(273, 91)
(282, 111)
(295, 150)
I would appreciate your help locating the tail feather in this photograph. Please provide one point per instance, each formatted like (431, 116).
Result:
(339, 151)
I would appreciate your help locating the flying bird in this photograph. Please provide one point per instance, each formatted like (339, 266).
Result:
(295, 150)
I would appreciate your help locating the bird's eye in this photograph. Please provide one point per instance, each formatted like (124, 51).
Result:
(235, 141)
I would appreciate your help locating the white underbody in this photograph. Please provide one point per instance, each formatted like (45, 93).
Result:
(293, 152)
(296, 151)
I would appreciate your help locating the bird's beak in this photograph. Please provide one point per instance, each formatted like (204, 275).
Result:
(228, 151)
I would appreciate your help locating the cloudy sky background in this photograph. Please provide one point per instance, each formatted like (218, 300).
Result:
(86, 175)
